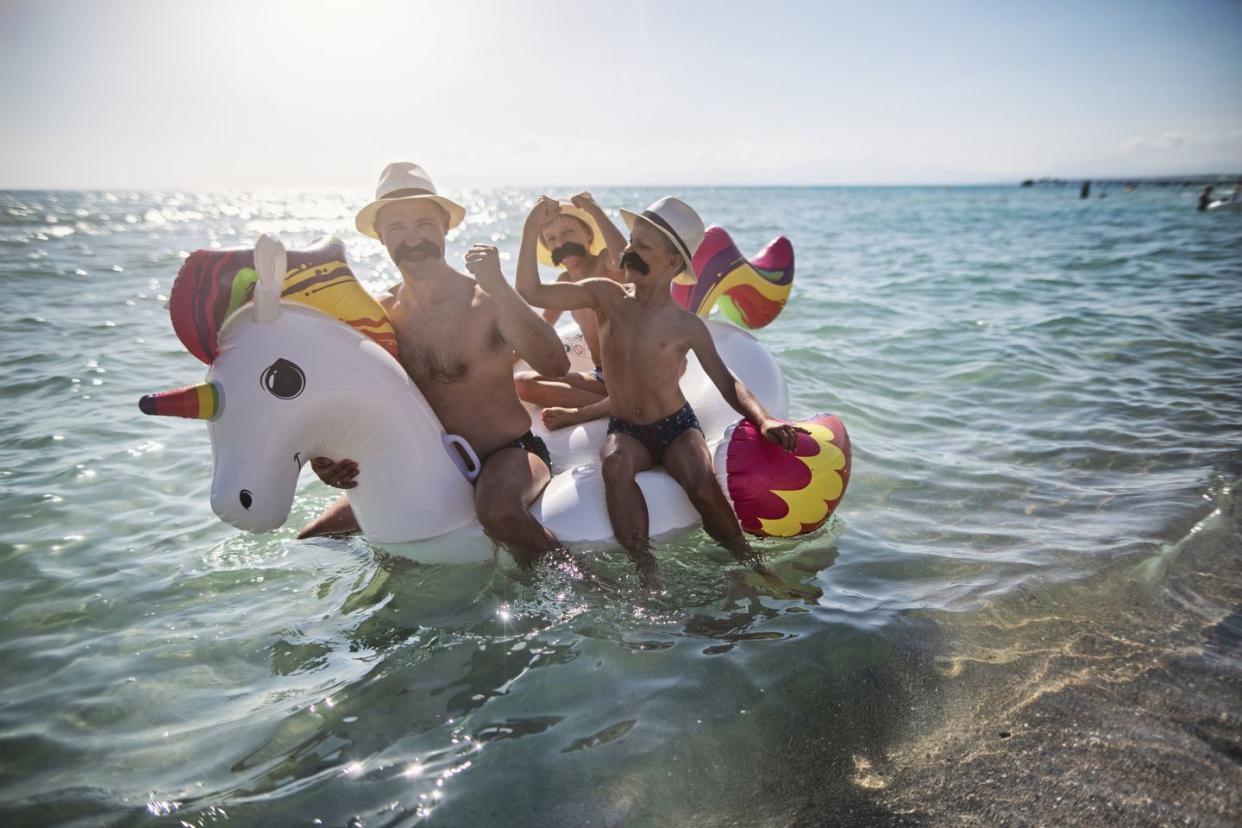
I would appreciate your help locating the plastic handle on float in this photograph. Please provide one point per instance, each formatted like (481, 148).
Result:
(463, 456)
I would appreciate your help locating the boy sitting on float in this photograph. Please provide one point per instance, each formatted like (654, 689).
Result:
(644, 338)
(581, 237)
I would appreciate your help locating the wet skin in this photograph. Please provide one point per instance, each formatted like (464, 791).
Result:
(577, 397)
(644, 338)
(458, 337)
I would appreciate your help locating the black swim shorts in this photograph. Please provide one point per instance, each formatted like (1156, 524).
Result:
(535, 445)
(659, 435)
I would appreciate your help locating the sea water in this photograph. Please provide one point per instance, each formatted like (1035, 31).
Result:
(1030, 596)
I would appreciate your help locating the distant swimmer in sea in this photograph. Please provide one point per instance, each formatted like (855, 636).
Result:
(583, 240)
(1205, 198)
(645, 337)
(1085, 192)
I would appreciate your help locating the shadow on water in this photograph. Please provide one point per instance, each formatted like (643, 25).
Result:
(566, 696)
(1113, 700)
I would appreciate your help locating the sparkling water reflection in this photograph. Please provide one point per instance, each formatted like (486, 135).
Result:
(1043, 397)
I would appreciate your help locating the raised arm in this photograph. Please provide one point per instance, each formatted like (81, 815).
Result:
(614, 241)
(558, 296)
(735, 392)
(532, 337)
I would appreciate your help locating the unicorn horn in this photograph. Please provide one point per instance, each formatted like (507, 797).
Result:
(270, 260)
(198, 402)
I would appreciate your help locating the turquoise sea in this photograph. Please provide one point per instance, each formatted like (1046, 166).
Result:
(1032, 593)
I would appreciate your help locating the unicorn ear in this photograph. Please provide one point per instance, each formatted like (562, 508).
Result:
(271, 262)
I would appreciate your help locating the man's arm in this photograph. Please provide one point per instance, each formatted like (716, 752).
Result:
(533, 338)
(613, 240)
(735, 392)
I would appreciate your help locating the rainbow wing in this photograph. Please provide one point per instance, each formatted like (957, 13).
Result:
(782, 494)
(213, 284)
(751, 293)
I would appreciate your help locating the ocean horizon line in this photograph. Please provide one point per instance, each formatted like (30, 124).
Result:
(1190, 178)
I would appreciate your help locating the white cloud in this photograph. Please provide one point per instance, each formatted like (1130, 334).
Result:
(1172, 140)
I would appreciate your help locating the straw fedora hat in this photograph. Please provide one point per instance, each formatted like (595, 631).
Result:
(403, 181)
(597, 238)
(677, 220)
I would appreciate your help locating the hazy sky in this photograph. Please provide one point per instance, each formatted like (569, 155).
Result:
(222, 94)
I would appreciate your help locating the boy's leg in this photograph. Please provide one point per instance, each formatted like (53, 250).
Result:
(688, 461)
(623, 458)
(570, 392)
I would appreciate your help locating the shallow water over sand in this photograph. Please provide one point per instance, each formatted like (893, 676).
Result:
(1030, 605)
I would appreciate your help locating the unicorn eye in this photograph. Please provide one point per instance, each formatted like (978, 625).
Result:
(283, 379)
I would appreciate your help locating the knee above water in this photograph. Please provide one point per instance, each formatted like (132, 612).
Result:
(497, 516)
(702, 488)
(617, 467)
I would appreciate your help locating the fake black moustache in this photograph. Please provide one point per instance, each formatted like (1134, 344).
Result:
(419, 252)
(634, 262)
(566, 250)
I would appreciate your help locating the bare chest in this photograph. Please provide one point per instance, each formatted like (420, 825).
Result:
(443, 346)
(641, 338)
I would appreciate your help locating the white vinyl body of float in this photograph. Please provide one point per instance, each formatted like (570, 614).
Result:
(357, 401)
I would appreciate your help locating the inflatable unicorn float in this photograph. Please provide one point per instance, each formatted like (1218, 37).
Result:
(303, 362)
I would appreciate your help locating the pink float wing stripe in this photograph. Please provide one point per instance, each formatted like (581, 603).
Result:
(723, 273)
(715, 240)
(776, 261)
(757, 469)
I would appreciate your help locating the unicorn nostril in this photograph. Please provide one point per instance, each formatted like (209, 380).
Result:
(246, 499)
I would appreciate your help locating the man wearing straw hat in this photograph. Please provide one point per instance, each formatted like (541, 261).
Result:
(584, 240)
(457, 337)
(644, 338)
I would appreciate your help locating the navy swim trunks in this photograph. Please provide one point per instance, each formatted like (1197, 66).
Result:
(658, 436)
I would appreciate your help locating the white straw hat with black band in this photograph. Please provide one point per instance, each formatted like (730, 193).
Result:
(678, 221)
(404, 181)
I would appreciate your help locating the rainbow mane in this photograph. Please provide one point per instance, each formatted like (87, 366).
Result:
(212, 285)
(751, 293)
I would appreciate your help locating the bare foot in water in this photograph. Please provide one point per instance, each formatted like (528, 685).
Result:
(649, 577)
(554, 417)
